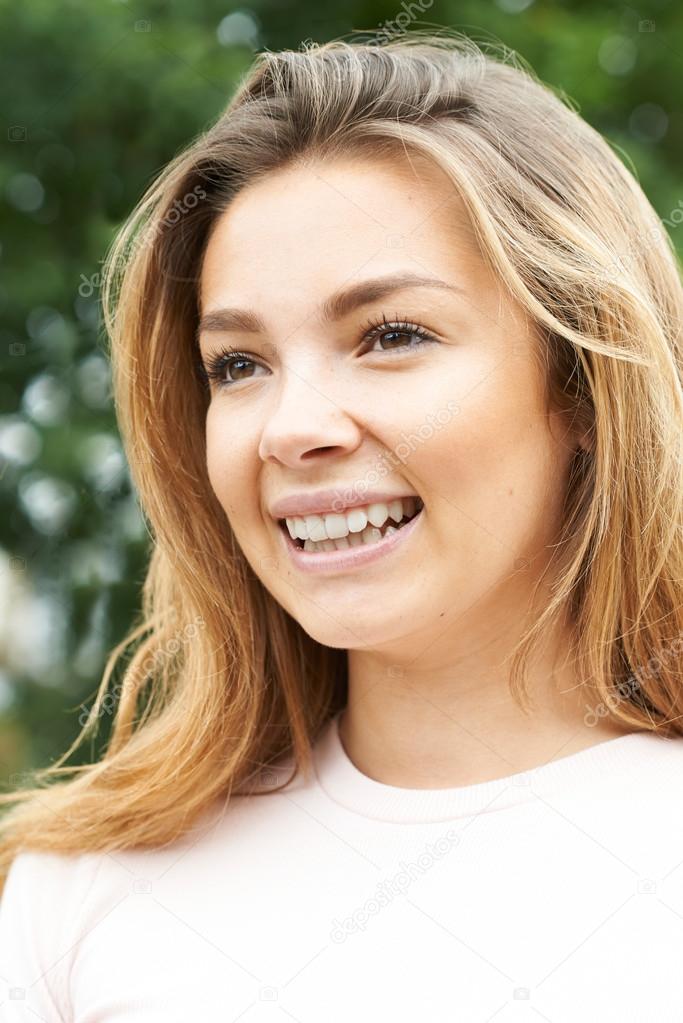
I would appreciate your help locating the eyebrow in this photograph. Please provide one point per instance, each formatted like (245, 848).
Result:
(338, 305)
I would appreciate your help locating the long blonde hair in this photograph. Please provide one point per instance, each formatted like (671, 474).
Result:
(221, 681)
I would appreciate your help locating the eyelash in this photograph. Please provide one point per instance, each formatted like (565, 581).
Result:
(216, 364)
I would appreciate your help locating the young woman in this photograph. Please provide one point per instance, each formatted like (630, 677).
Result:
(397, 363)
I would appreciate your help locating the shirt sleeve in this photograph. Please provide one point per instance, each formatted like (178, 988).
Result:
(41, 899)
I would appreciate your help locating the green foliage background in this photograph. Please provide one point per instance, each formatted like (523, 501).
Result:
(97, 98)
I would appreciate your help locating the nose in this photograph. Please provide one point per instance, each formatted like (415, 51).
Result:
(307, 421)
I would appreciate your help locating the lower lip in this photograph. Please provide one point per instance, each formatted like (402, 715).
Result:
(348, 558)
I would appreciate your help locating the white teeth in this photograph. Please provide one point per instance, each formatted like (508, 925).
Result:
(338, 526)
(356, 519)
(378, 514)
(399, 508)
(300, 528)
(371, 534)
(315, 525)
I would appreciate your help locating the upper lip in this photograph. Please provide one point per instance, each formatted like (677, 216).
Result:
(320, 502)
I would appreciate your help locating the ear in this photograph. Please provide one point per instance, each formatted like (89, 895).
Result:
(575, 436)
(585, 441)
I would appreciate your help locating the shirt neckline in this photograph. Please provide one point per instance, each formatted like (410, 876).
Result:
(346, 785)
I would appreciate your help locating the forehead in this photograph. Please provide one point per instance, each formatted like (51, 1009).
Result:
(335, 222)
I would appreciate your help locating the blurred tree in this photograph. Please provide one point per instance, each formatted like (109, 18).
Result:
(100, 99)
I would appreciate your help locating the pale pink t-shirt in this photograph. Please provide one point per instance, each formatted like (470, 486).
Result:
(553, 894)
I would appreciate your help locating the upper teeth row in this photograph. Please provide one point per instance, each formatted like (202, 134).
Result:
(335, 525)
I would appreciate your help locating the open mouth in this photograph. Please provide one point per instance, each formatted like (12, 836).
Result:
(363, 538)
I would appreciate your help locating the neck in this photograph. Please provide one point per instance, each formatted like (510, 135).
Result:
(447, 718)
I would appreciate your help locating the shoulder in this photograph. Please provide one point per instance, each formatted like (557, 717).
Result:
(39, 867)
(48, 880)
(40, 911)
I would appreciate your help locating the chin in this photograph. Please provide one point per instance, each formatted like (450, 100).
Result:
(348, 632)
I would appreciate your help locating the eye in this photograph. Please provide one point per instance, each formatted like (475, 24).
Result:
(216, 365)
(399, 330)
(396, 329)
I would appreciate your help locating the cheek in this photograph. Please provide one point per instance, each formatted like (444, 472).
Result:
(229, 460)
(496, 473)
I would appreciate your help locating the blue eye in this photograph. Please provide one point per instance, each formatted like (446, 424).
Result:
(229, 358)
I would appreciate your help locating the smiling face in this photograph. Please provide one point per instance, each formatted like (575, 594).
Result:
(450, 408)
